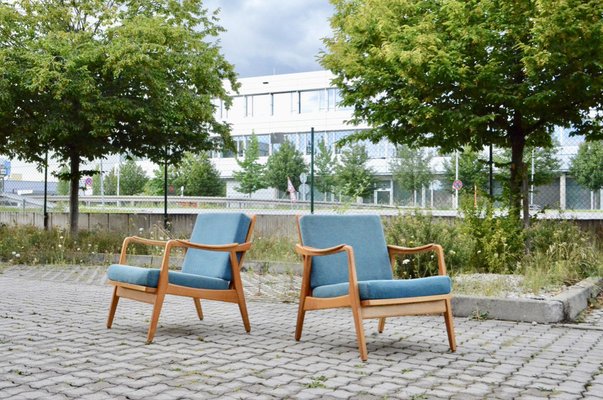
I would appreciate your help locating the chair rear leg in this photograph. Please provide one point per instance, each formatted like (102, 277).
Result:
(155, 317)
(381, 325)
(198, 307)
(112, 308)
(359, 331)
(450, 326)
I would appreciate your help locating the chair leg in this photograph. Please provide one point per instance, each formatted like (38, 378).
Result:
(112, 308)
(198, 307)
(243, 309)
(381, 325)
(155, 317)
(301, 313)
(359, 331)
(450, 325)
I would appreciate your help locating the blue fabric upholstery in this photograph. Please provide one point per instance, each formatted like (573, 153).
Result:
(214, 229)
(150, 277)
(363, 232)
(389, 289)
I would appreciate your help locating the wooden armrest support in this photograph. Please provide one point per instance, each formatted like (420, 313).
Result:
(411, 250)
(212, 247)
(311, 251)
(138, 239)
(393, 250)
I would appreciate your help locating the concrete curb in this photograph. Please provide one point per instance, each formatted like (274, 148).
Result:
(563, 307)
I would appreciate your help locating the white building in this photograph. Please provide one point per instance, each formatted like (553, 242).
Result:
(285, 107)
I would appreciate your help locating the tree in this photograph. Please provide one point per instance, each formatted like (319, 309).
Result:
(62, 184)
(251, 176)
(324, 162)
(201, 177)
(132, 179)
(473, 170)
(411, 169)
(352, 176)
(91, 78)
(546, 166)
(286, 162)
(478, 72)
(196, 174)
(587, 165)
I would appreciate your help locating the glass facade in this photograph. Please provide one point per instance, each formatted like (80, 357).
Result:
(284, 103)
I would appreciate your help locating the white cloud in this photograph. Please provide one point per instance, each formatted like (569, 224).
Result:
(273, 36)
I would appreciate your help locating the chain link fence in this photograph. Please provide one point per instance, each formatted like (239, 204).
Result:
(126, 186)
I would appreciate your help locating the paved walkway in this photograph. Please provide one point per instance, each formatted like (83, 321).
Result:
(53, 344)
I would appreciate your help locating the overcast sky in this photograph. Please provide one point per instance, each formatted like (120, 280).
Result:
(265, 37)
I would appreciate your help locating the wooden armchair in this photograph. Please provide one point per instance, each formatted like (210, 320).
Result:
(210, 270)
(346, 263)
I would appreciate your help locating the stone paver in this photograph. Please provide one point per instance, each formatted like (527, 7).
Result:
(54, 344)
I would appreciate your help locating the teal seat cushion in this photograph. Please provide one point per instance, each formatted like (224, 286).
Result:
(215, 229)
(150, 277)
(389, 289)
(363, 232)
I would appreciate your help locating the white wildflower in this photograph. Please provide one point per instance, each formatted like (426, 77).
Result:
(61, 237)
(17, 255)
(14, 252)
(406, 261)
(78, 249)
(60, 246)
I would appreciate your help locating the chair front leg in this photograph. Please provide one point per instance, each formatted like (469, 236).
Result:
(450, 326)
(238, 286)
(355, 304)
(155, 317)
(381, 326)
(112, 308)
(198, 308)
(305, 290)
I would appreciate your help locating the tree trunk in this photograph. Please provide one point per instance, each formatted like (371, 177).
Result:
(518, 182)
(74, 212)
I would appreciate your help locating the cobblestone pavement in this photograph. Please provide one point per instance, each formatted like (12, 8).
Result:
(54, 345)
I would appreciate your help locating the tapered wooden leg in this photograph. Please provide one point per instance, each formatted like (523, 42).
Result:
(243, 309)
(359, 331)
(112, 307)
(301, 313)
(381, 325)
(155, 317)
(198, 307)
(450, 326)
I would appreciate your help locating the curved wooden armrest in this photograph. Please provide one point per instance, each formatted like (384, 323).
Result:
(214, 247)
(410, 250)
(311, 251)
(393, 250)
(150, 242)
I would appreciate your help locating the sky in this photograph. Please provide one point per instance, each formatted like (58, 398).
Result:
(265, 37)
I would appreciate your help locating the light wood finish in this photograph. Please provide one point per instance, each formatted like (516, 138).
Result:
(381, 326)
(365, 309)
(155, 296)
(198, 308)
(112, 307)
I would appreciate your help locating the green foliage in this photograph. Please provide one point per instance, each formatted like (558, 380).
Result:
(546, 166)
(587, 166)
(411, 169)
(353, 177)
(472, 171)
(96, 77)
(251, 177)
(286, 162)
(412, 230)
(63, 184)
(195, 173)
(498, 240)
(453, 73)
(132, 179)
(324, 164)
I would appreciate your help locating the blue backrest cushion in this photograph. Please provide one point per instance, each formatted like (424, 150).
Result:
(214, 229)
(363, 232)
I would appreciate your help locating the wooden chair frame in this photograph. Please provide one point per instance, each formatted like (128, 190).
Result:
(155, 296)
(366, 309)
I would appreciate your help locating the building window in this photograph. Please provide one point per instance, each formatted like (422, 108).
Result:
(261, 105)
(310, 101)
